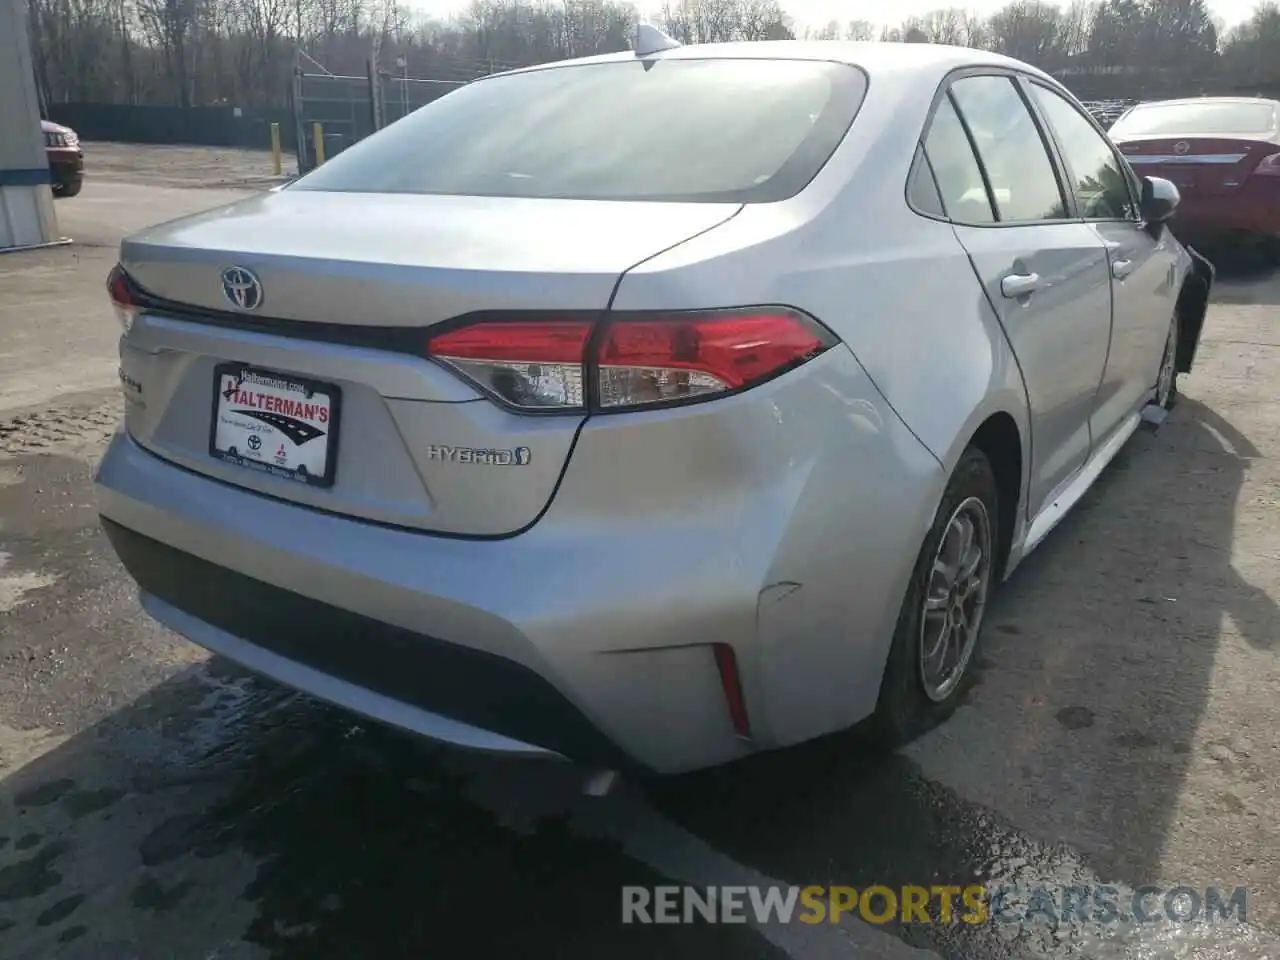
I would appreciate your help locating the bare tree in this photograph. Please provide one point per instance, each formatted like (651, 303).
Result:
(859, 30)
(829, 31)
(1249, 50)
(947, 25)
(167, 24)
(719, 21)
(1028, 30)
(1075, 24)
(851, 30)
(189, 52)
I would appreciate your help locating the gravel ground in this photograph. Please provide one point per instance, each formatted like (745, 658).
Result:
(178, 166)
(158, 804)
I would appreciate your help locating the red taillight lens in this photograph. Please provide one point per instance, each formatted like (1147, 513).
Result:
(1268, 167)
(536, 365)
(680, 357)
(731, 684)
(636, 360)
(123, 296)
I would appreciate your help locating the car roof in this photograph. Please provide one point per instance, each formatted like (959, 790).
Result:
(1185, 101)
(873, 56)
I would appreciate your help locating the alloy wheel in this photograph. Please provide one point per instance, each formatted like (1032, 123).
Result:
(955, 599)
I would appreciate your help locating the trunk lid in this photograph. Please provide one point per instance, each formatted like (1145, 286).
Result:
(409, 260)
(1197, 166)
(380, 434)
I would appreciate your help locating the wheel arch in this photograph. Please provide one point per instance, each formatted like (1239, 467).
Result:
(1000, 439)
(1191, 307)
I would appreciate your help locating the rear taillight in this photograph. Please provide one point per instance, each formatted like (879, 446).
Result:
(1268, 167)
(124, 296)
(536, 365)
(644, 360)
(630, 360)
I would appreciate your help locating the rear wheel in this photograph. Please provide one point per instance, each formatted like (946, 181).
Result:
(1167, 380)
(940, 623)
(67, 189)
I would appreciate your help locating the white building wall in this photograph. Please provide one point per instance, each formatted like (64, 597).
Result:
(26, 202)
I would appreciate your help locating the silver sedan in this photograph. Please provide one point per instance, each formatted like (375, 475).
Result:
(651, 409)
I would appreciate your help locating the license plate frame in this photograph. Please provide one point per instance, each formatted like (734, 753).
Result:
(270, 423)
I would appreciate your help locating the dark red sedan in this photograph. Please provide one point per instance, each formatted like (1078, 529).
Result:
(1222, 153)
(66, 160)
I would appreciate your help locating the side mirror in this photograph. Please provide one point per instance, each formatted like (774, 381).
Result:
(1159, 199)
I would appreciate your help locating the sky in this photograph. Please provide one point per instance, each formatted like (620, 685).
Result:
(818, 12)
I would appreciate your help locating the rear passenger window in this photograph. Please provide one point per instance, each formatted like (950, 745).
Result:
(959, 179)
(922, 192)
(1023, 182)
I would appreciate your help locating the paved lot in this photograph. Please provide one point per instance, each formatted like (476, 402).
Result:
(57, 332)
(156, 804)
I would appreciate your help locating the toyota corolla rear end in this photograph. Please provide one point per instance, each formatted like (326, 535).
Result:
(1223, 154)
(389, 441)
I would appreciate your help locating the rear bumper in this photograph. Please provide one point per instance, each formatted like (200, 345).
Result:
(531, 645)
(66, 167)
(408, 679)
(1250, 212)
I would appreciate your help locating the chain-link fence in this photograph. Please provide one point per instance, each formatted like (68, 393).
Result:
(402, 95)
(343, 110)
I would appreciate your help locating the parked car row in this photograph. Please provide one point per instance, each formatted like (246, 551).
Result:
(1106, 112)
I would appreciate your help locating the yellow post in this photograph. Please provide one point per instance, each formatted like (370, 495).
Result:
(277, 163)
(317, 137)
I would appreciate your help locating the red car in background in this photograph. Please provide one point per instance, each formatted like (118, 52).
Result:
(1222, 153)
(66, 160)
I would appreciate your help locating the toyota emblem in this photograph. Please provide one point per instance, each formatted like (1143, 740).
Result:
(242, 288)
(1181, 147)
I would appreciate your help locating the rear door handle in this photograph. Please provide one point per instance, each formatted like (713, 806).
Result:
(1020, 284)
(1121, 268)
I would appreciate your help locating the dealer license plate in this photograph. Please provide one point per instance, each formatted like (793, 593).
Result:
(276, 423)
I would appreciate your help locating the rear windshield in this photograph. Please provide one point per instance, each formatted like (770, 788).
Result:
(736, 131)
(1182, 119)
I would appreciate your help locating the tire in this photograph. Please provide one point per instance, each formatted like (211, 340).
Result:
(909, 704)
(1167, 376)
(64, 190)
